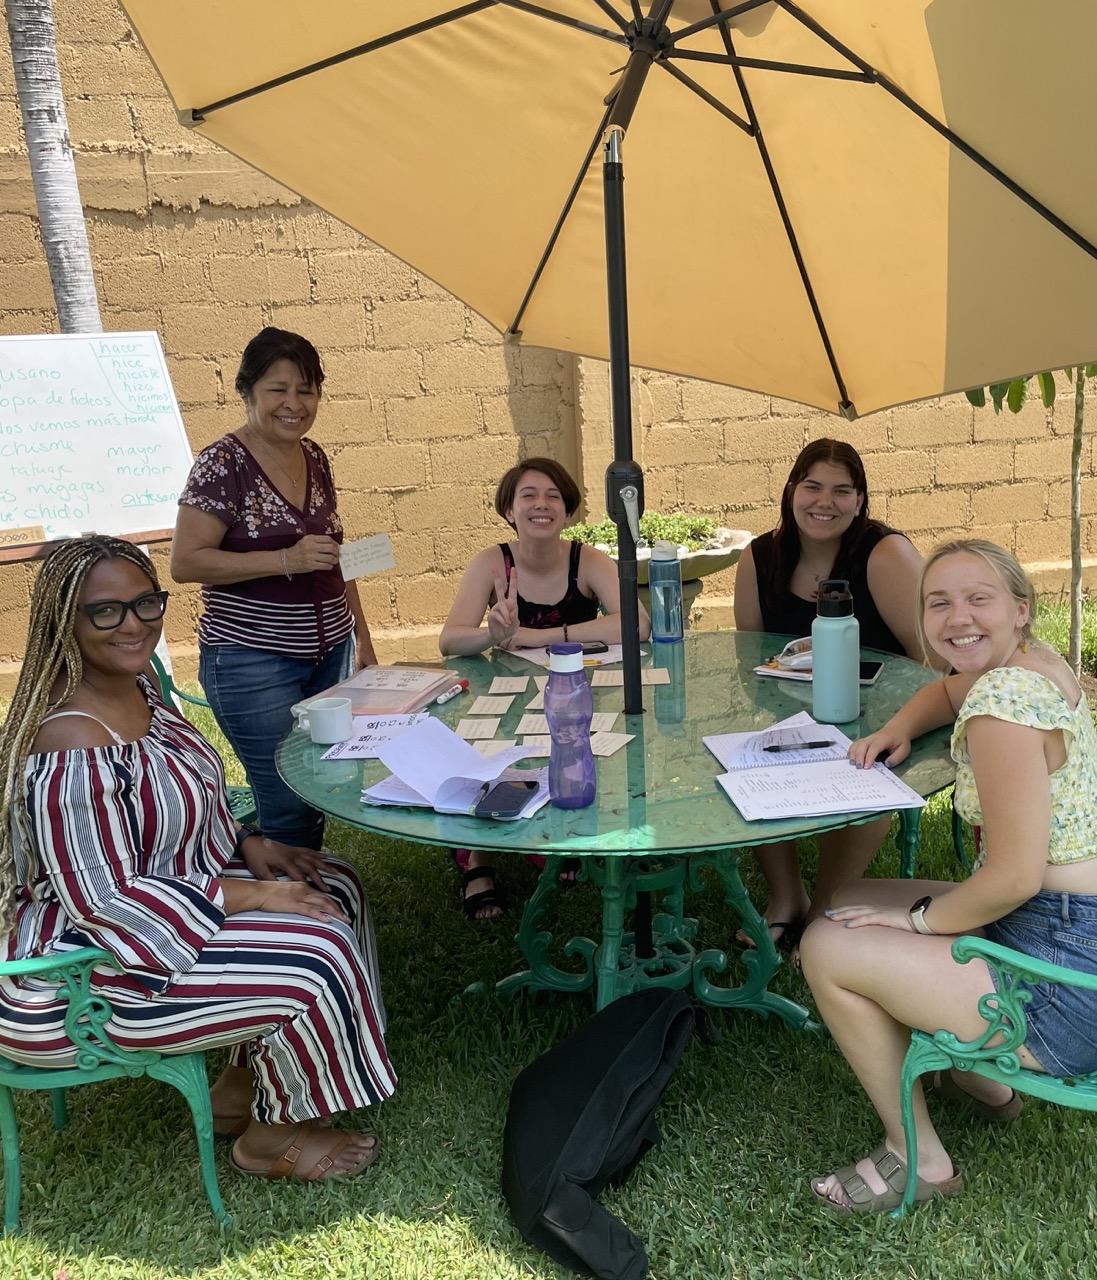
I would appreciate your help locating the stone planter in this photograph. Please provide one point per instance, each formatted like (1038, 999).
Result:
(727, 545)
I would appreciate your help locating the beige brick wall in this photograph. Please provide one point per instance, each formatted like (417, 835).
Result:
(425, 404)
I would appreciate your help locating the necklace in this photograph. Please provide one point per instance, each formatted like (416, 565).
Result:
(273, 455)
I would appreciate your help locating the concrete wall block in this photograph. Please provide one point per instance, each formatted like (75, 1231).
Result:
(1030, 424)
(538, 367)
(119, 237)
(465, 367)
(418, 322)
(11, 125)
(947, 421)
(1046, 458)
(26, 285)
(990, 462)
(98, 121)
(347, 422)
(362, 512)
(708, 400)
(220, 331)
(527, 413)
(204, 425)
(187, 181)
(194, 381)
(426, 598)
(385, 278)
(98, 23)
(679, 443)
(112, 180)
(1042, 540)
(771, 439)
(28, 321)
(899, 472)
(112, 68)
(15, 586)
(478, 330)
(327, 325)
(469, 462)
(433, 417)
(1058, 507)
(464, 507)
(658, 398)
(378, 602)
(336, 275)
(452, 554)
(391, 373)
(942, 509)
(1004, 503)
(19, 239)
(714, 488)
(151, 279)
(385, 466)
(413, 553)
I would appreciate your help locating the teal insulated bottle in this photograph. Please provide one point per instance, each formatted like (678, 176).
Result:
(835, 655)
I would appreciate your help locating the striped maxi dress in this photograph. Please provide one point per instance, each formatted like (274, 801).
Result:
(126, 845)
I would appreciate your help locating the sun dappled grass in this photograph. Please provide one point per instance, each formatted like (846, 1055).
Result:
(1053, 627)
(746, 1123)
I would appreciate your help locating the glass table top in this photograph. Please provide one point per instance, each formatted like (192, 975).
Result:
(658, 794)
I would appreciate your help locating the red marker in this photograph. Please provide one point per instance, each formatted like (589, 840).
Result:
(452, 692)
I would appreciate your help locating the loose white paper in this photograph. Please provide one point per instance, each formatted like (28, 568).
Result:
(365, 556)
(540, 656)
(605, 744)
(724, 745)
(492, 746)
(369, 733)
(485, 706)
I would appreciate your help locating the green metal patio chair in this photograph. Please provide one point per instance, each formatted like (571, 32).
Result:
(241, 799)
(97, 1058)
(1003, 1011)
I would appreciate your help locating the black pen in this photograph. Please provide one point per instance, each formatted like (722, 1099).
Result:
(797, 746)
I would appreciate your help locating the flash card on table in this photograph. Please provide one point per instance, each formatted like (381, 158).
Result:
(605, 744)
(485, 706)
(365, 556)
(603, 721)
(649, 675)
(509, 684)
(532, 724)
(537, 744)
(489, 746)
(469, 729)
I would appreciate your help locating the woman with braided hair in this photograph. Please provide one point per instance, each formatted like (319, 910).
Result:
(115, 832)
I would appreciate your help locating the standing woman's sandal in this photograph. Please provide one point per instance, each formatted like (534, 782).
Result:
(492, 899)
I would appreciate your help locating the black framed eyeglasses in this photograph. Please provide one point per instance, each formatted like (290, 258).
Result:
(105, 615)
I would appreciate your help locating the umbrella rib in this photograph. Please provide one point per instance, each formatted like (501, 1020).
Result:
(577, 24)
(976, 157)
(550, 245)
(763, 64)
(704, 94)
(715, 19)
(611, 13)
(790, 232)
(371, 46)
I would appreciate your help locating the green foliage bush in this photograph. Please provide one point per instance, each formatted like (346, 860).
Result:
(689, 531)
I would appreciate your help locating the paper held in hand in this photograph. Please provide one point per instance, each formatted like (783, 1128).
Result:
(799, 781)
(434, 768)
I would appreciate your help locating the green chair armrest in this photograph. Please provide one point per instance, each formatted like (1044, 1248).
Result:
(169, 689)
(1027, 968)
(81, 958)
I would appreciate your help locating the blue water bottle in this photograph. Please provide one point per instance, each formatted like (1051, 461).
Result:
(835, 655)
(665, 589)
(569, 706)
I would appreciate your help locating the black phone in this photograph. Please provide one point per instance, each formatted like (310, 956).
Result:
(870, 672)
(595, 646)
(505, 799)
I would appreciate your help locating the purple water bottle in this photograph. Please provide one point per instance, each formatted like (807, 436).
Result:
(569, 706)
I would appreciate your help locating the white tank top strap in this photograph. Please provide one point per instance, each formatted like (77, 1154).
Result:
(57, 715)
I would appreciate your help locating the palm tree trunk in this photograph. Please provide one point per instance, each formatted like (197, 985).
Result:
(56, 193)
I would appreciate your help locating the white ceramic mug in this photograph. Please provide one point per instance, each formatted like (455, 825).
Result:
(330, 720)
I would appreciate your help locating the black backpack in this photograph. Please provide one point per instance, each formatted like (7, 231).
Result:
(580, 1118)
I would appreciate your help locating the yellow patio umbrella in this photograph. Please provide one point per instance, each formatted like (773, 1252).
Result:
(847, 203)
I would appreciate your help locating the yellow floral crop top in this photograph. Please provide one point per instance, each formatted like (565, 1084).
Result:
(1025, 697)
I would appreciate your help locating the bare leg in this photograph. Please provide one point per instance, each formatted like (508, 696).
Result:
(844, 856)
(871, 985)
(787, 900)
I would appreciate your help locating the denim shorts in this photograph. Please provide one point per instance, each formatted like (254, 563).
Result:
(1062, 1020)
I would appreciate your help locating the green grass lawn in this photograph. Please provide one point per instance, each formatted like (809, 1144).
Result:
(746, 1123)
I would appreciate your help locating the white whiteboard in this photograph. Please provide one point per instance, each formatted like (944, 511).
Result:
(90, 437)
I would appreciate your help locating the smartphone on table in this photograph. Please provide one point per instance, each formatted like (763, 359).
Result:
(870, 672)
(595, 646)
(505, 799)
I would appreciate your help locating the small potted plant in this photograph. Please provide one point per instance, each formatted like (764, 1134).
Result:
(703, 547)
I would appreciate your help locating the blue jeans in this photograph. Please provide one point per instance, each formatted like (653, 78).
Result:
(1060, 928)
(250, 692)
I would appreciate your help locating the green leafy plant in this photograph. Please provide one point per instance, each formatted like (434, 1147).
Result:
(679, 528)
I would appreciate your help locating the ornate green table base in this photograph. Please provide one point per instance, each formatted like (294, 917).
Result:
(614, 965)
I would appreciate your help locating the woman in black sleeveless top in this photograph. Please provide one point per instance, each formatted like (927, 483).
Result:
(538, 589)
(824, 531)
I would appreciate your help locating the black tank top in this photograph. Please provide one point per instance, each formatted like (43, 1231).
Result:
(792, 615)
(572, 609)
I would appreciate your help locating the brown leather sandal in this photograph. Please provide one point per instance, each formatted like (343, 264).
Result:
(288, 1164)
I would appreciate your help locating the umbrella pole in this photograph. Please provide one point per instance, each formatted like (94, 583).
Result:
(624, 478)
